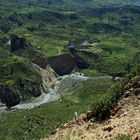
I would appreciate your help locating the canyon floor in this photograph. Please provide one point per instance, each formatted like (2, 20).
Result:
(125, 122)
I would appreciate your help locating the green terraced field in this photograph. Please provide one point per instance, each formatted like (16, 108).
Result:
(48, 26)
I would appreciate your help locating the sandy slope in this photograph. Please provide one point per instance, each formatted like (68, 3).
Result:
(126, 121)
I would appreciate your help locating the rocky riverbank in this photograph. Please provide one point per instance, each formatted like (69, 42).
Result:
(53, 93)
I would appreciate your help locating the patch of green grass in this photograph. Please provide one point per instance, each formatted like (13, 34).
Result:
(123, 137)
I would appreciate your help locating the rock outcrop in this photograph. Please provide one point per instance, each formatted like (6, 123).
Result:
(18, 43)
(19, 83)
(22, 47)
(36, 81)
(40, 61)
(80, 62)
(49, 77)
(66, 63)
(133, 87)
(9, 97)
(62, 64)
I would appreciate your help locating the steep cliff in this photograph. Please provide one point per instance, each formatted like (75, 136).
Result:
(62, 64)
(66, 63)
(19, 81)
(48, 75)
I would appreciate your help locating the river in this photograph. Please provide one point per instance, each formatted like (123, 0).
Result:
(53, 93)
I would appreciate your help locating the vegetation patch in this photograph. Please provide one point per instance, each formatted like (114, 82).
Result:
(101, 106)
(123, 137)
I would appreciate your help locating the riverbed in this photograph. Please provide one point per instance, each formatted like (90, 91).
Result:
(67, 82)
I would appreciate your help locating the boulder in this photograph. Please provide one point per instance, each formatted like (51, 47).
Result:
(9, 97)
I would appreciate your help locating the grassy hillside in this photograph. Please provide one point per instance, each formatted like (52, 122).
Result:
(113, 29)
(47, 26)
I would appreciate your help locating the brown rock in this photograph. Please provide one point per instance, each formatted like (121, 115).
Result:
(137, 91)
(9, 97)
(135, 81)
(62, 64)
(108, 129)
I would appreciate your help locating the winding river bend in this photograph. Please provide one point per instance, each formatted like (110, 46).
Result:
(53, 93)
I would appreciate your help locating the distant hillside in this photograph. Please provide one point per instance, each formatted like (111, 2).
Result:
(72, 4)
(83, 2)
(88, 2)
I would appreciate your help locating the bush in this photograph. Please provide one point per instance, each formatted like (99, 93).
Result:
(101, 108)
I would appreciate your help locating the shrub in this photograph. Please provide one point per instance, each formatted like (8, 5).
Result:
(101, 108)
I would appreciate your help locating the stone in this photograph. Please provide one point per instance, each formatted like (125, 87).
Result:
(108, 129)
(9, 97)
